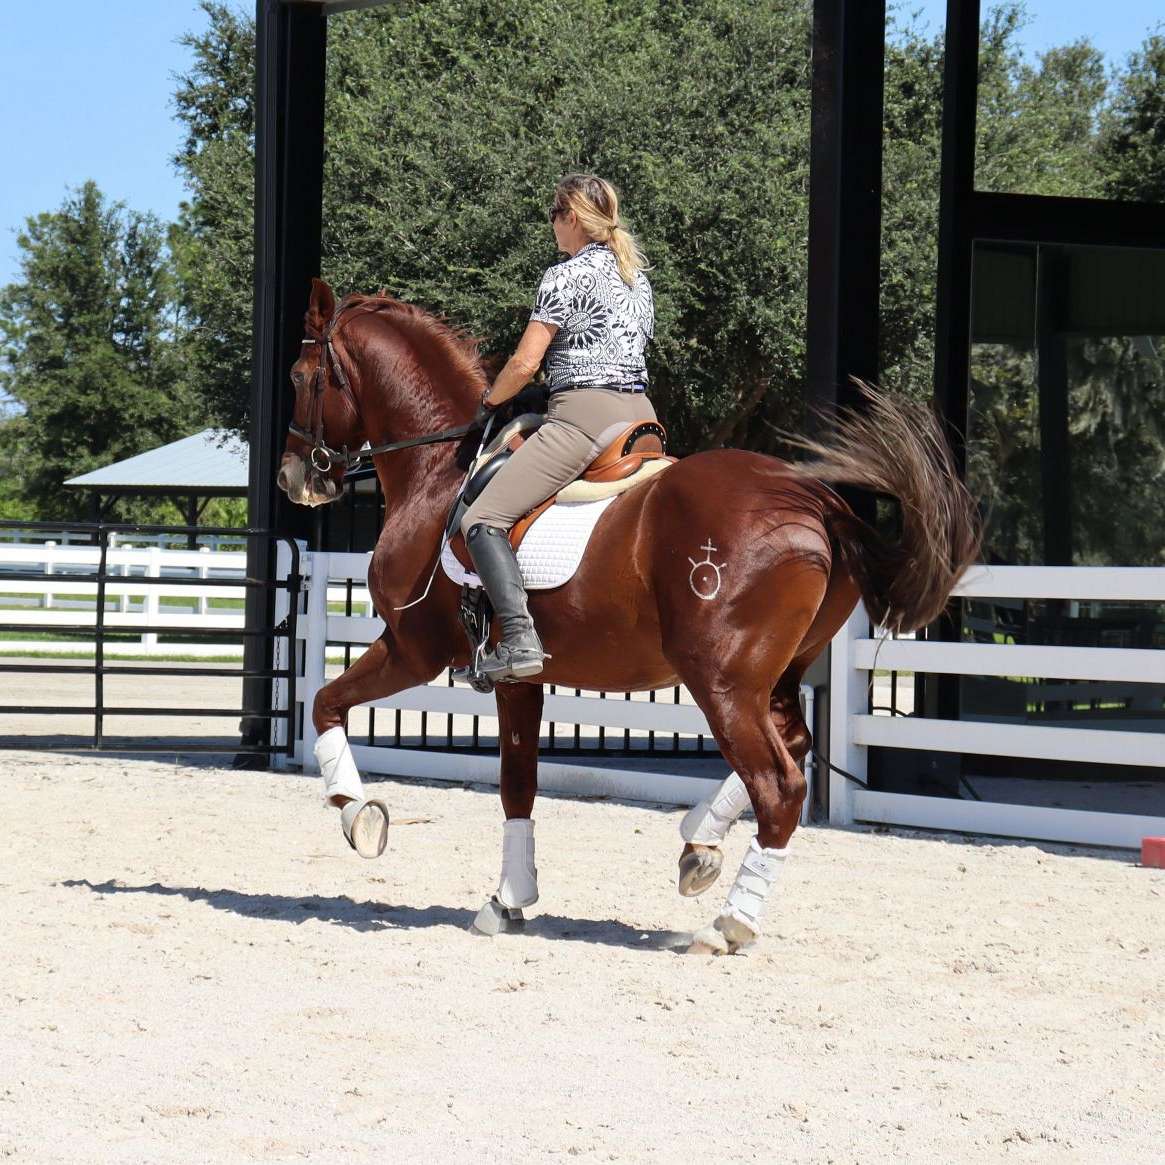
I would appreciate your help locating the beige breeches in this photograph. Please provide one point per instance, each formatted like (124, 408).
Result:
(580, 423)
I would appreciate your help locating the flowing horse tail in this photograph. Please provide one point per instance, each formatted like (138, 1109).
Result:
(897, 448)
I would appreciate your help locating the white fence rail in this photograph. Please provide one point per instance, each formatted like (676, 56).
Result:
(136, 593)
(853, 729)
(67, 536)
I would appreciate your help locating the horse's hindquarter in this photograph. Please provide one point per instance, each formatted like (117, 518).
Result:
(723, 544)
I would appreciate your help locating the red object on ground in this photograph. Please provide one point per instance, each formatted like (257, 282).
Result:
(1153, 852)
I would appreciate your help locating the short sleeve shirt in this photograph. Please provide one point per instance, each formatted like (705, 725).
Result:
(603, 325)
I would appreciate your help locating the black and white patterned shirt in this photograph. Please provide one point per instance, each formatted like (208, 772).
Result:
(603, 325)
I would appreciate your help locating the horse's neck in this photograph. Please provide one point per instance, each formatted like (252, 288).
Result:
(419, 484)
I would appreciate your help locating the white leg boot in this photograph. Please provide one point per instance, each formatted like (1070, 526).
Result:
(518, 885)
(708, 822)
(365, 823)
(704, 828)
(739, 921)
(340, 776)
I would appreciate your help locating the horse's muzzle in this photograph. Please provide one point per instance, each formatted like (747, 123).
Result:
(303, 484)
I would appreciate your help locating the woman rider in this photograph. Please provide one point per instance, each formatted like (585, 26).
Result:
(593, 317)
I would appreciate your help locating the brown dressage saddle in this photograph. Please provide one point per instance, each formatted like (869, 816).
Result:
(637, 452)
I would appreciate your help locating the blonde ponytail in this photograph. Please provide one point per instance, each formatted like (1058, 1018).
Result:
(628, 254)
(596, 204)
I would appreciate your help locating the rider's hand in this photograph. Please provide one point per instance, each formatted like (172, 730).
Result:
(484, 409)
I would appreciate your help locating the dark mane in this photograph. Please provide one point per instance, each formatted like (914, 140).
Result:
(459, 347)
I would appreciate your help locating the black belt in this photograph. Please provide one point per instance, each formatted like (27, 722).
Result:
(633, 386)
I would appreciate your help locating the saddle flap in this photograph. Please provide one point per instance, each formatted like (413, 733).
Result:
(517, 532)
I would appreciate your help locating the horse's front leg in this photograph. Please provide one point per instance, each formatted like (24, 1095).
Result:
(373, 676)
(519, 719)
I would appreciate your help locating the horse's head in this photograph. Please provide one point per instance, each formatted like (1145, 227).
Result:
(326, 420)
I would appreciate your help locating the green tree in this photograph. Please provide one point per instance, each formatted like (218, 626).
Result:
(445, 135)
(1037, 127)
(1133, 130)
(1037, 123)
(87, 334)
(912, 146)
(213, 240)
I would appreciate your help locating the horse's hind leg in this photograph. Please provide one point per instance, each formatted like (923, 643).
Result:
(705, 826)
(519, 718)
(733, 686)
(749, 739)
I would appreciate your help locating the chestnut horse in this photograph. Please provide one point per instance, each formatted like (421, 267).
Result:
(791, 560)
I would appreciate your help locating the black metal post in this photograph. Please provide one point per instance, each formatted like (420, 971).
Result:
(192, 521)
(845, 198)
(290, 45)
(845, 204)
(1052, 274)
(952, 354)
(99, 643)
(939, 695)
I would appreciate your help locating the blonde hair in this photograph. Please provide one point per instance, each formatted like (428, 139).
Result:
(596, 204)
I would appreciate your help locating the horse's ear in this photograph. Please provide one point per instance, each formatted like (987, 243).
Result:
(320, 307)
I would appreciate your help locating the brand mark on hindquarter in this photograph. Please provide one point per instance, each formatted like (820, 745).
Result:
(705, 578)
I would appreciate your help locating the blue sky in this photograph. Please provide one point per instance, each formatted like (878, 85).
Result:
(85, 92)
(1116, 27)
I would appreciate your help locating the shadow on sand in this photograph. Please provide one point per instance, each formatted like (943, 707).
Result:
(379, 916)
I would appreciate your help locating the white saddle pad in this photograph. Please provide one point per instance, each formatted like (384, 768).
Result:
(550, 552)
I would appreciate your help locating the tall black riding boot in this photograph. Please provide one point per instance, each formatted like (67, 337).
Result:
(519, 654)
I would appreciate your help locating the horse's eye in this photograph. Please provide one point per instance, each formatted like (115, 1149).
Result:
(297, 378)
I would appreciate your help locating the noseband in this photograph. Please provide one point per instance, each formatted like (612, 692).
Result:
(323, 457)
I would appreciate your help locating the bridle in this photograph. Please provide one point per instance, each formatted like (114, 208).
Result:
(323, 457)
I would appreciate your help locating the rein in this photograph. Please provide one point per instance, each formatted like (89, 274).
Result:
(323, 456)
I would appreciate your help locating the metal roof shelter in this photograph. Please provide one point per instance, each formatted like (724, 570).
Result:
(213, 462)
(194, 469)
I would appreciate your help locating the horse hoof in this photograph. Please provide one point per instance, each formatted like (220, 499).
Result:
(725, 936)
(494, 918)
(699, 868)
(365, 825)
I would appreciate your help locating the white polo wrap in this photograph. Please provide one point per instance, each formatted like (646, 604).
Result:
(758, 872)
(338, 769)
(519, 882)
(708, 822)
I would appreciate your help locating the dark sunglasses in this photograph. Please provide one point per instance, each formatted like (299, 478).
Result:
(554, 212)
